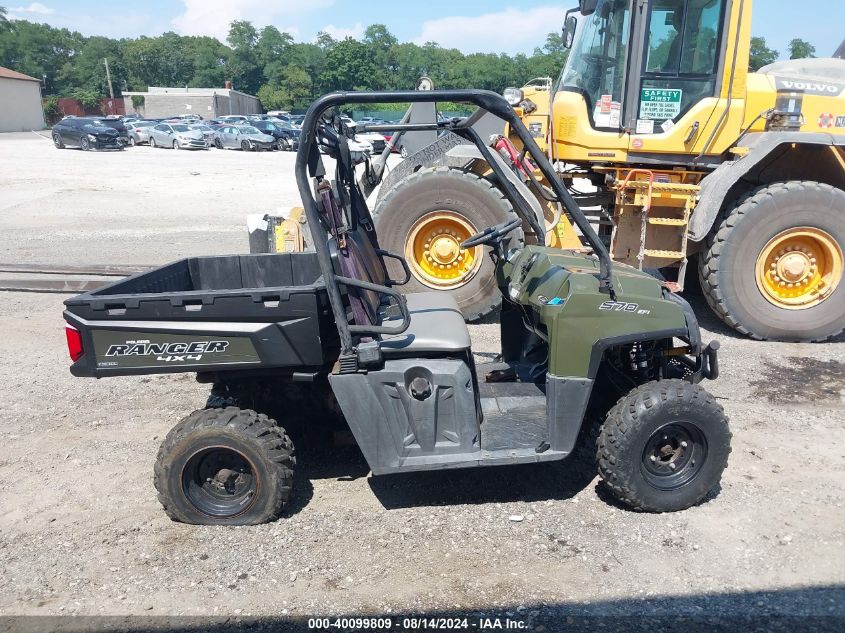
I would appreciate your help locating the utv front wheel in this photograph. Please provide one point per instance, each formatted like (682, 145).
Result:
(226, 466)
(664, 446)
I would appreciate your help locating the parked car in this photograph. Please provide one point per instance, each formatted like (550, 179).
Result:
(399, 148)
(176, 136)
(287, 136)
(116, 124)
(85, 133)
(207, 132)
(234, 119)
(245, 137)
(189, 118)
(375, 140)
(139, 131)
(297, 119)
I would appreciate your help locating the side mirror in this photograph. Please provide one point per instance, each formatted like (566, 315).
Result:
(569, 31)
(587, 7)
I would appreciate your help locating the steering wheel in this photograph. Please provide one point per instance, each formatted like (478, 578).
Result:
(493, 235)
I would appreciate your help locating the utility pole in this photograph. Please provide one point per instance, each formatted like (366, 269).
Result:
(108, 78)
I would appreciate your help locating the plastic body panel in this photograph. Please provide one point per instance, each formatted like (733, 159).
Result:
(454, 427)
(568, 310)
(200, 314)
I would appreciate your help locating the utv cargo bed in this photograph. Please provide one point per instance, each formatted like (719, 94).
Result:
(205, 314)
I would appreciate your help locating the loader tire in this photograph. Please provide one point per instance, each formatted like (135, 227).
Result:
(442, 199)
(225, 466)
(664, 446)
(741, 267)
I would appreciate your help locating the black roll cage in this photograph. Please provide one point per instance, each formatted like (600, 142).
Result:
(308, 159)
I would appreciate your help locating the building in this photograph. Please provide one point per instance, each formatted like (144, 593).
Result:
(20, 102)
(206, 102)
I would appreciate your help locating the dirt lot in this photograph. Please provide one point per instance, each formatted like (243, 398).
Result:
(81, 531)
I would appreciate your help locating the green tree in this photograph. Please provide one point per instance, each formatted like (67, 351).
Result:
(801, 49)
(87, 70)
(325, 41)
(761, 55)
(51, 108)
(271, 98)
(4, 21)
(349, 66)
(549, 60)
(157, 61)
(244, 67)
(272, 46)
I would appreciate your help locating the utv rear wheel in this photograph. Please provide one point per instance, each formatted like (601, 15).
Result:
(225, 466)
(664, 446)
(426, 217)
(773, 269)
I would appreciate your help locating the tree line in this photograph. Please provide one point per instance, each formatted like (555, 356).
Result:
(266, 62)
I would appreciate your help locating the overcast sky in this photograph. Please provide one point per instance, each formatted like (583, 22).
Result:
(471, 26)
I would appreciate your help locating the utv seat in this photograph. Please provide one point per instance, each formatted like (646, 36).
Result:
(437, 326)
(436, 323)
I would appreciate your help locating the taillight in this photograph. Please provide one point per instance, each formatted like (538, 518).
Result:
(74, 342)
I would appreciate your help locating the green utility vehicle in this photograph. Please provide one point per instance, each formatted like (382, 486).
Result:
(597, 358)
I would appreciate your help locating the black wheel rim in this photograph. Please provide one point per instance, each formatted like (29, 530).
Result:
(673, 455)
(220, 482)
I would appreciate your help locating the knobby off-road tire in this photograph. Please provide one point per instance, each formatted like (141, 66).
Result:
(644, 435)
(226, 466)
(467, 195)
(727, 266)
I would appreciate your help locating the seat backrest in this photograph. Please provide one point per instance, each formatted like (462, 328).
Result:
(358, 256)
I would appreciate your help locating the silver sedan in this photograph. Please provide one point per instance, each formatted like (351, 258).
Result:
(139, 131)
(245, 137)
(176, 136)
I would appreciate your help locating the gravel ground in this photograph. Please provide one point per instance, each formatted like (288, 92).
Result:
(81, 531)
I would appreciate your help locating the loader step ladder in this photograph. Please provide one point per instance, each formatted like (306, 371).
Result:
(642, 191)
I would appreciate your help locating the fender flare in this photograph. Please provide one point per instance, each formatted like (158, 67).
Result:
(721, 184)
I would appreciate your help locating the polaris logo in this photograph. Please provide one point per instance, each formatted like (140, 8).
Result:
(155, 349)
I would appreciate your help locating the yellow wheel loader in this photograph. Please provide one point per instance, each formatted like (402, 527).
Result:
(658, 129)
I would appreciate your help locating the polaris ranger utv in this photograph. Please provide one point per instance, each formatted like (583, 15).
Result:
(593, 354)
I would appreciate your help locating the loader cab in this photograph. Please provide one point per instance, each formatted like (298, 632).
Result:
(648, 77)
